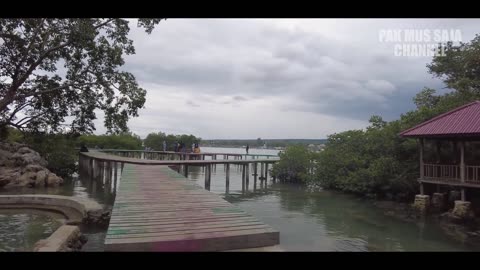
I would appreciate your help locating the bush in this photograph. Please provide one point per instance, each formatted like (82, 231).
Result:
(293, 165)
(155, 140)
(126, 141)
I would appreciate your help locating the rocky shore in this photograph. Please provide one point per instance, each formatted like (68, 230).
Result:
(21, 166)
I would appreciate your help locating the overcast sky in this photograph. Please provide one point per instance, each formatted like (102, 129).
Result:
(272, 78)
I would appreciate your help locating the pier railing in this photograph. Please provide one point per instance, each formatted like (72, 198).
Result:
(107, 167)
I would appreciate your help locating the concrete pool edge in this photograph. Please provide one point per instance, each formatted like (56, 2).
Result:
(77, 210)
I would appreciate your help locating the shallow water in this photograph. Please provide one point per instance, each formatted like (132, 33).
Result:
(21, 229)
(307, 220)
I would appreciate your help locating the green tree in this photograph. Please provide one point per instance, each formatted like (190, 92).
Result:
(155, 140)
(293, 165)
(56, 68)
(127, 141)
(459, 68)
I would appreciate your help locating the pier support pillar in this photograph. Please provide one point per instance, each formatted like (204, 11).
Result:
(422, 203)
(247, 175)
(463, 210)
(208, 175)
(266, 173)
(227, 178)
(255, 176)
(243, 178)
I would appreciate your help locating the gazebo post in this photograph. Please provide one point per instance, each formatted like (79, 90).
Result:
(462, 167)
(422, 174)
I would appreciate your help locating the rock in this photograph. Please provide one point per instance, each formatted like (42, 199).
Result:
(24, 150)
(28, 158)
(22, 166)
(3, 182)
(33, 168)
(40, 178)
(8, 175)
(25, 179)
(5, 158)
(53, 180)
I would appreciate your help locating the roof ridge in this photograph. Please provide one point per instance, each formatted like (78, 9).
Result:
(440, 116)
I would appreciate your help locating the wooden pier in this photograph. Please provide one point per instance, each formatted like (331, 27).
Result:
(158, 209)
(104, 166)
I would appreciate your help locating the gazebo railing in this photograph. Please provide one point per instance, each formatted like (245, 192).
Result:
(442, 172)
(451, 172)
(472, 174)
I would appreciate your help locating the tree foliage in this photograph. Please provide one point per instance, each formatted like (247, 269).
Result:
(127, 141)
(294, 164)
(155, 140)
(51, 69)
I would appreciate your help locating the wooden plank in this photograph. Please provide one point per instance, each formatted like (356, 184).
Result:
(157, 209)
(197, 242)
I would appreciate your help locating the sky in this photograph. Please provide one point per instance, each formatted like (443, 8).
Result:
(280, 78)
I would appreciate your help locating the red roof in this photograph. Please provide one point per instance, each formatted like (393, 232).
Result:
(462, 121)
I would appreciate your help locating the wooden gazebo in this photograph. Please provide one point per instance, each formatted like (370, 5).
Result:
(450, 132)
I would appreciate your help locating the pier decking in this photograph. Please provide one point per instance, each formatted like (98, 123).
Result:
(158, 209)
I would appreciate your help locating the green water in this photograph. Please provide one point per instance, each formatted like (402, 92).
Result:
(328, 221)
(307, 220)
(21, 229)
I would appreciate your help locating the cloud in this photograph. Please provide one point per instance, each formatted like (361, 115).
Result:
(257, 78)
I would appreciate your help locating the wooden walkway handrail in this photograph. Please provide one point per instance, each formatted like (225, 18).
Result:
(107, 157)
(180, 153)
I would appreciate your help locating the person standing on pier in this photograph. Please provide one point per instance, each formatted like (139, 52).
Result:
(247, 148)
(164, 146)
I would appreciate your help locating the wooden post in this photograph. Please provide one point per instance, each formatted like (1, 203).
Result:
(462, 161)
(261, 172)
(243, 178)
(102, 170)
(422, 172)
(90, 167)
(186, 171)
(462, 167)
(227, 177)
(115, 167)
(122, 166)
(208, 175)
(254, 175)
(247, 175)
(266, 173)
(109, 172)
